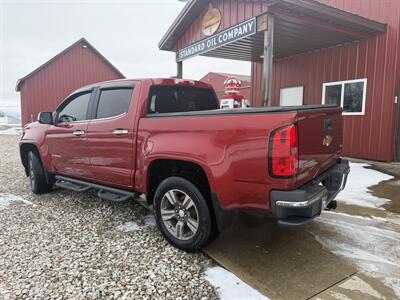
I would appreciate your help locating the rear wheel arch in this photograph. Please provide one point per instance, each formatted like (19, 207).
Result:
(161, 169)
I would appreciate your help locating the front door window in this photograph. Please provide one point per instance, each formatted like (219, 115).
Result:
(75, 109)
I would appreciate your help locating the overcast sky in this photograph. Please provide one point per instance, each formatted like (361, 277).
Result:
(125, 32)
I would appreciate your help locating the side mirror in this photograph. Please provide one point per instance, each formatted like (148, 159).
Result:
(45, 118)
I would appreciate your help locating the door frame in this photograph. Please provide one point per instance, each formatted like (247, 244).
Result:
(103, 122)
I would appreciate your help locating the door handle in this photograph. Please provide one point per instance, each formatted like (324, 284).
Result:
(78, 132)
(120, 131)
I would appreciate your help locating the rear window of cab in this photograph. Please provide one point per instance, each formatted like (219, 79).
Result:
(169, 99)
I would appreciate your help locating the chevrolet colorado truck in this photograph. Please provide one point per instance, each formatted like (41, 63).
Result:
(166, 143)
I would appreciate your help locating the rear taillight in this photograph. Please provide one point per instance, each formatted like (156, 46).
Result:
(283, 152)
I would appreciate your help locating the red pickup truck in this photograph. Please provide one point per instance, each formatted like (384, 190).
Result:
(166, 143)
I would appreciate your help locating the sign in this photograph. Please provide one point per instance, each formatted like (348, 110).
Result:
(232, 34)
(211, 21)
(232, 85)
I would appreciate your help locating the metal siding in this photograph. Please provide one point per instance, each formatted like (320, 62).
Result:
(232, 11)
(45, 90)
(370, 136)
(256, 81)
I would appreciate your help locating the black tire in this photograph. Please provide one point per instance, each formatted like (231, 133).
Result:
(198, 204)
(37, 176)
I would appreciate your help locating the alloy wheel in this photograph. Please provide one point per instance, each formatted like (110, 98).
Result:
(179, 214)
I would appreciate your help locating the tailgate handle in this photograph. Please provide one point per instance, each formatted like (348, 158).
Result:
(327, 125)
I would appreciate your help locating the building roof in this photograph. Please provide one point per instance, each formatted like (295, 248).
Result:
(306, 8)
(190, 12)
(241, 77)
(81, 41)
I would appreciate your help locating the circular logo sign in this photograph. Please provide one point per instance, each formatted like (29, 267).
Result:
(232, 85)
(211, 21)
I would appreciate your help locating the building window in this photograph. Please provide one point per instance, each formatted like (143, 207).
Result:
(292, 96)
(350, 95)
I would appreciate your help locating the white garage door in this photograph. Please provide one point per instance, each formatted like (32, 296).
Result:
(292, 96)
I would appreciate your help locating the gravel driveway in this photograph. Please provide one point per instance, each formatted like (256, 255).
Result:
(68, 245)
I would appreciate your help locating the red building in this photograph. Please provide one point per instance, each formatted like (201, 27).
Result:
(78, 65)
(217, 81)
(345, 52)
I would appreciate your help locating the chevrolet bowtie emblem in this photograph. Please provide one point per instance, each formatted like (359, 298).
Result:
(327, 140)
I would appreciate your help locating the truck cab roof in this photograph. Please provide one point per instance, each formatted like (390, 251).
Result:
(156, 81)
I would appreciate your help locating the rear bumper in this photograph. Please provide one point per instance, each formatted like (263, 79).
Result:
(300, 206)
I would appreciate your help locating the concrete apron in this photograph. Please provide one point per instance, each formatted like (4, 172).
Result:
(357, 287)
(288, 263)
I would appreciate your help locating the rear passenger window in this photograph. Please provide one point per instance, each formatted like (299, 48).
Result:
(167, 99)
(113, 102)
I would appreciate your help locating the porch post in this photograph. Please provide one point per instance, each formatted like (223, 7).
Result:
(267, 61)
(179, 69)
(179, 66)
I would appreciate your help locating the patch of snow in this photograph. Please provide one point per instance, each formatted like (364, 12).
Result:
(355, 283)
(229, 286)
(128, 227)
(10, 130)
(150, 220)
(394, 283)
(371, 243)
(7, 199)
(358, 182)
(338, 296)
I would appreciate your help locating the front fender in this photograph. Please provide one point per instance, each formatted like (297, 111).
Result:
(35, 134)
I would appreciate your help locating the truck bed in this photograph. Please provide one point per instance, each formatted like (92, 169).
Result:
(232, 146)
(256, 110)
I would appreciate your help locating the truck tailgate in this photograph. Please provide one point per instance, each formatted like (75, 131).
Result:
(320, 140)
